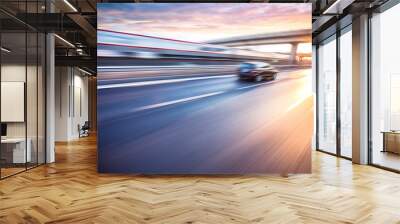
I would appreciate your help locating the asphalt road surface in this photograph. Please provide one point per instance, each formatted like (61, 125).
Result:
(205, 124)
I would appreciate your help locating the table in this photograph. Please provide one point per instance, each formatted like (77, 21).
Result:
(391, 141)
(16, 147)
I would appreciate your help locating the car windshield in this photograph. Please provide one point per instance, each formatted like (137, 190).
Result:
(262, 65)
(247, 65)
(252, 65)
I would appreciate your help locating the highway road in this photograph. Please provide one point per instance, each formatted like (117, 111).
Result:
(192, 123)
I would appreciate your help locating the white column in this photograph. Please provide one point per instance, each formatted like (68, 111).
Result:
(314, 90)
(50, 92)
(50, 99)
(360, 90)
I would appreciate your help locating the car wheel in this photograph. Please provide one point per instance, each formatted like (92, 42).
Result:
(258, 78)
(274, 76)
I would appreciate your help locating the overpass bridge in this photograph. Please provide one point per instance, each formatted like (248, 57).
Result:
(116, 44)
(288, 37)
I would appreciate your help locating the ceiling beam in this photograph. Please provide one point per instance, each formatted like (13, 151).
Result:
(86, 27)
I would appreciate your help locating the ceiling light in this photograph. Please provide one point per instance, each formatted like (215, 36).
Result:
(65, 41)
(84, 71)
(5, 50)
(337, 7)
(79, 51)
(70, 5)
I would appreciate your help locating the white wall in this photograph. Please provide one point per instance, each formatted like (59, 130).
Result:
(71, 94)
(33, 126)
(80, 104)
(62, 83)
(17, 73)
(14, 72)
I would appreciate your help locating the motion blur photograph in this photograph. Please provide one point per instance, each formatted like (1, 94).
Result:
(204, 88)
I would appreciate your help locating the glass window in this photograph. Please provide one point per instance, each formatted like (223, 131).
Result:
(385, 84)
(327, 96)
(346, 93)
(31, 97)
(14, 153)
(22, 91)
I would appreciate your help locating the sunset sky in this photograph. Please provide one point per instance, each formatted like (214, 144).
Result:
(203, 22)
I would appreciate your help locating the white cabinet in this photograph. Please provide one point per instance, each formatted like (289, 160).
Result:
(19, 155)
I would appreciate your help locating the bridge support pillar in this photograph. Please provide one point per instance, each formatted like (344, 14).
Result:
(293, 53)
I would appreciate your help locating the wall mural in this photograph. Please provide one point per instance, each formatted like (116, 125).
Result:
(210, 88)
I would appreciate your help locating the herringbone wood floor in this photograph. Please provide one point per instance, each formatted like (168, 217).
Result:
(71, 191)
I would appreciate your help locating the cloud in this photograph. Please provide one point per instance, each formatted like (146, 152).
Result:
(203, 21)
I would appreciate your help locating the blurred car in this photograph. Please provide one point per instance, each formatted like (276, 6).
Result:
(257, 71)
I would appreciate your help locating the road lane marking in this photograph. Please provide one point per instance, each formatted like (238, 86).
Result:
(157, 82)
(259, 84)
(120, 67)
(172, 102)
(153, 78)
(183, 100)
